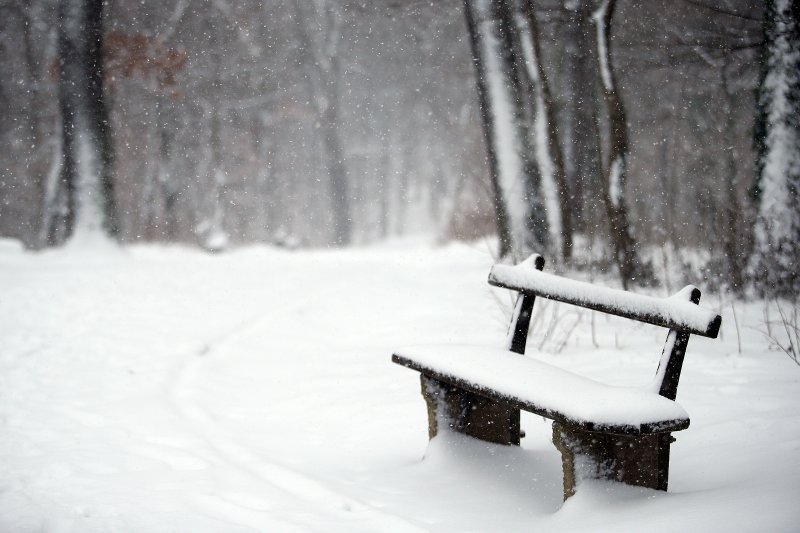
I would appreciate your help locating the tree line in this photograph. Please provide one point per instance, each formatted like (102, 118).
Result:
(596, 130)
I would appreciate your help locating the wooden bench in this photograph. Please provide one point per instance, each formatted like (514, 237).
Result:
(602, 431)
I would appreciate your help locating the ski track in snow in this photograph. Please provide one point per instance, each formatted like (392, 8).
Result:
(303, 489)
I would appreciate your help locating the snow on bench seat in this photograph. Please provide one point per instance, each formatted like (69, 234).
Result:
(675, 312)
(546, 390)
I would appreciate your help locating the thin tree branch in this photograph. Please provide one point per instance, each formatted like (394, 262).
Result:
(722, 11)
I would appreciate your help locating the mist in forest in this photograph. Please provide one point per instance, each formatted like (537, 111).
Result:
(309, 124)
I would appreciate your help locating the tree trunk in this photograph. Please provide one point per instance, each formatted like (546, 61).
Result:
(501, 215)
(777, 234)
(504, 94)
(319, 30)
(165, 177)
(625, 254)
(334, 160)
(545, 112)
(37, 160)
(86, 202)
(583, 166)
(732, 238)
(216, 239)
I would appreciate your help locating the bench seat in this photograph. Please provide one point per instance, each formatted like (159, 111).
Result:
(546, 390)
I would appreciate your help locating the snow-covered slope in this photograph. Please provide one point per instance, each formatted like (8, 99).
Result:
(163, 389)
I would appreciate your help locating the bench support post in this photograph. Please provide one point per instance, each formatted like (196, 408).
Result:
(471, 414)
(641, 460)
(669, 367)
(474, 415)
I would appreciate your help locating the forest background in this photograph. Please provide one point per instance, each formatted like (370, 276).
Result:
(305, 123)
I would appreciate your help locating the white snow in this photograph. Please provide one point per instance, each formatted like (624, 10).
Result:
(602, 46)
(165, 389)
(615, 186)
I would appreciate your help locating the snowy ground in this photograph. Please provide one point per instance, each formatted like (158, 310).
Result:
(154, 389)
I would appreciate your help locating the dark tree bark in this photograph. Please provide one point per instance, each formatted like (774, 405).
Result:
(533, 226)
(165, 178)
(85, 200)
(581, 140)
(732, 213)
(625, 254)
(34, 155)
(777, 138)
(159, 192)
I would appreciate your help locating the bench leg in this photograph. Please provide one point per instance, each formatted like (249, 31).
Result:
(468, 413)
(641, 460)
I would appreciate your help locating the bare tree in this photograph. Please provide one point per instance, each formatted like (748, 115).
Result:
(625, 254)
(581, 134)
(409, 138)
(85, 201)
(778, 140)
(505, 97)
(549, 152)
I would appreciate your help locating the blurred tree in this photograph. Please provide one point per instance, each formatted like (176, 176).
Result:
(777, 188)
(549, 154)
(319, 28)
(581, 135)
(157, 66)
(631, 268)
(412, 147)
(84, 202)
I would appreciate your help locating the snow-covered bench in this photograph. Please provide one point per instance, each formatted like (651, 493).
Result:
(602, 431)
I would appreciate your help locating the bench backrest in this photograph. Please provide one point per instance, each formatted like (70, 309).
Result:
(680, 312)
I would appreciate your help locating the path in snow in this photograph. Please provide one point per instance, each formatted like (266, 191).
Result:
(304, 492)
(167, 390)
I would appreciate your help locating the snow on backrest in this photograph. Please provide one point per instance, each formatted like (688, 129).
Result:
(674, 312)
